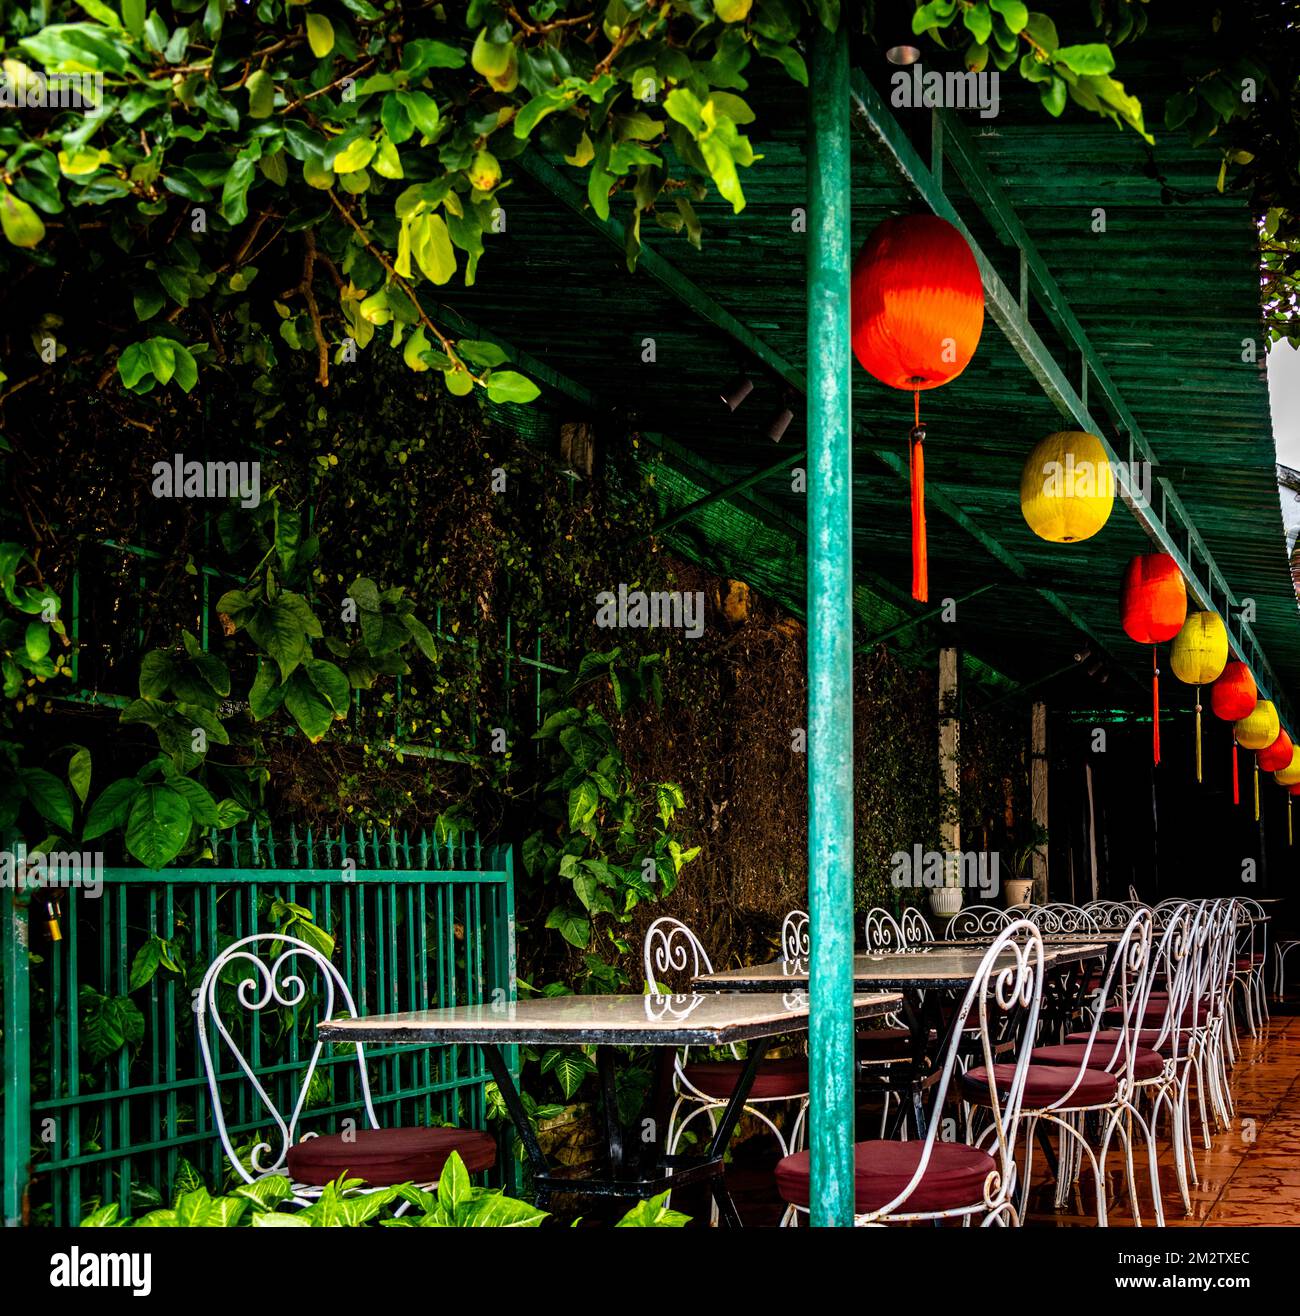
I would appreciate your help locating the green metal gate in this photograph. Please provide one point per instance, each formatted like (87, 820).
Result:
(416, 924)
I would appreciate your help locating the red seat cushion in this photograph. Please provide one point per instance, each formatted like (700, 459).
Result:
(1146, 1064)
(881, 1170)
(1146, 1038)
(1156, 1011)
(1044, 1084)
(1250, 961)
(881, 1045)
(389, 1156)
(775, 1078)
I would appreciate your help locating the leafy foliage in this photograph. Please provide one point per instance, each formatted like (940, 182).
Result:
(457, 1204)
(374, 148)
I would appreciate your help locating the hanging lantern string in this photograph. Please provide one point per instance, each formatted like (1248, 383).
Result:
(1256, 758)
(920, 563)
(1155, 703)
(1236, 785)
(1198, 733)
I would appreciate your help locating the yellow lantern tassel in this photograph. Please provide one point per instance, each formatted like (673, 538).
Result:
(1256, 787)
(1198, 733)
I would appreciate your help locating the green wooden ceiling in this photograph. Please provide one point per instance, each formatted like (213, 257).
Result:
(1166, 295)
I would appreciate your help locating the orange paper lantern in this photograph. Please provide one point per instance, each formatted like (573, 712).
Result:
(917, 314)
(1152, 609)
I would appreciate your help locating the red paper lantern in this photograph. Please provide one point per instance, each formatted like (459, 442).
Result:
(917, 313)
(1153, 599)
(1232, 697)
(1152, 609)
(1278, 755)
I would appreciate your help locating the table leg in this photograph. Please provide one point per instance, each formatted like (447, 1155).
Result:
(510, 1095)
(609, 1094)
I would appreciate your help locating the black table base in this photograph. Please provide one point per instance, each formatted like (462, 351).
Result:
(631, 1177)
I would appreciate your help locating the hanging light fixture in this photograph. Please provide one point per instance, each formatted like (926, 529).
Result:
(1067, 487)
(1232, 697)
(1258, 730)
(893, 30)
(780, 422)
(1198, 656)
(1152, 609)
(737, 391)
(917, 311)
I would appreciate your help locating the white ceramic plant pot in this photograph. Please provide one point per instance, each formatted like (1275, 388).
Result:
(945, 901)
(1017, 890)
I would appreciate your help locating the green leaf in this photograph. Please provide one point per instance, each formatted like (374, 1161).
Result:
(511, 386)
(36, 640)
(280, 631)
(431, 247)
(48, 796)
(1088, 59)
(22, 226)
(261, 94)
(330, 681)
(309, 709)
(203, 807)
(110, 810)
(654, 1213)
(1042, 32)
(583, 801)
(356, 155)
(421, 109)
(572, 925)
(454, 1187)
(157, 825)
(1014, 13)
(320, 35)
(156, 672)
(1053, 94)
(79, 773)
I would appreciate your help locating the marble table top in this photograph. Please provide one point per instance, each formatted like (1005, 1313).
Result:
(941, 966)
(709, 1018)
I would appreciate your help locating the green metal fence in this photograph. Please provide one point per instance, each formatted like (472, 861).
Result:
(416, 924)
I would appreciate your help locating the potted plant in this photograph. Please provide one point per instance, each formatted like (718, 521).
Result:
(1018, 888)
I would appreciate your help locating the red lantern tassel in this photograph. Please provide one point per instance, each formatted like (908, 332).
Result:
(1155, 705)
(1236, 785)
(920, 562)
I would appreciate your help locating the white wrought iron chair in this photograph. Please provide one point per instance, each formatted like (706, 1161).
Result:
(916, 927)
(932, 1178)
(1116, 1053)
(795, 943)
(1249, 965)
(703, 1087)
(309, 1160)
(978, 921)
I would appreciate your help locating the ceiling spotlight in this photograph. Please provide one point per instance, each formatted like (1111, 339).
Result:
(904, 52)
(737, 391)
(779, 423)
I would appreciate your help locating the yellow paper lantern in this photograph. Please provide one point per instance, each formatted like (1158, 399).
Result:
(1290, 775)
(1198, 655)
(1258, 730)
(1199, 652)
(1067, 487)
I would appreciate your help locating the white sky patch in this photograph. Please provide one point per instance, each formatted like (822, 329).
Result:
(1284, 400)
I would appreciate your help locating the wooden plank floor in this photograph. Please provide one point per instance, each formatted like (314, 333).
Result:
(1249, 1176)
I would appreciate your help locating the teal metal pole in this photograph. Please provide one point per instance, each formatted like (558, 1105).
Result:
(17, 1043)
(830, 633)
